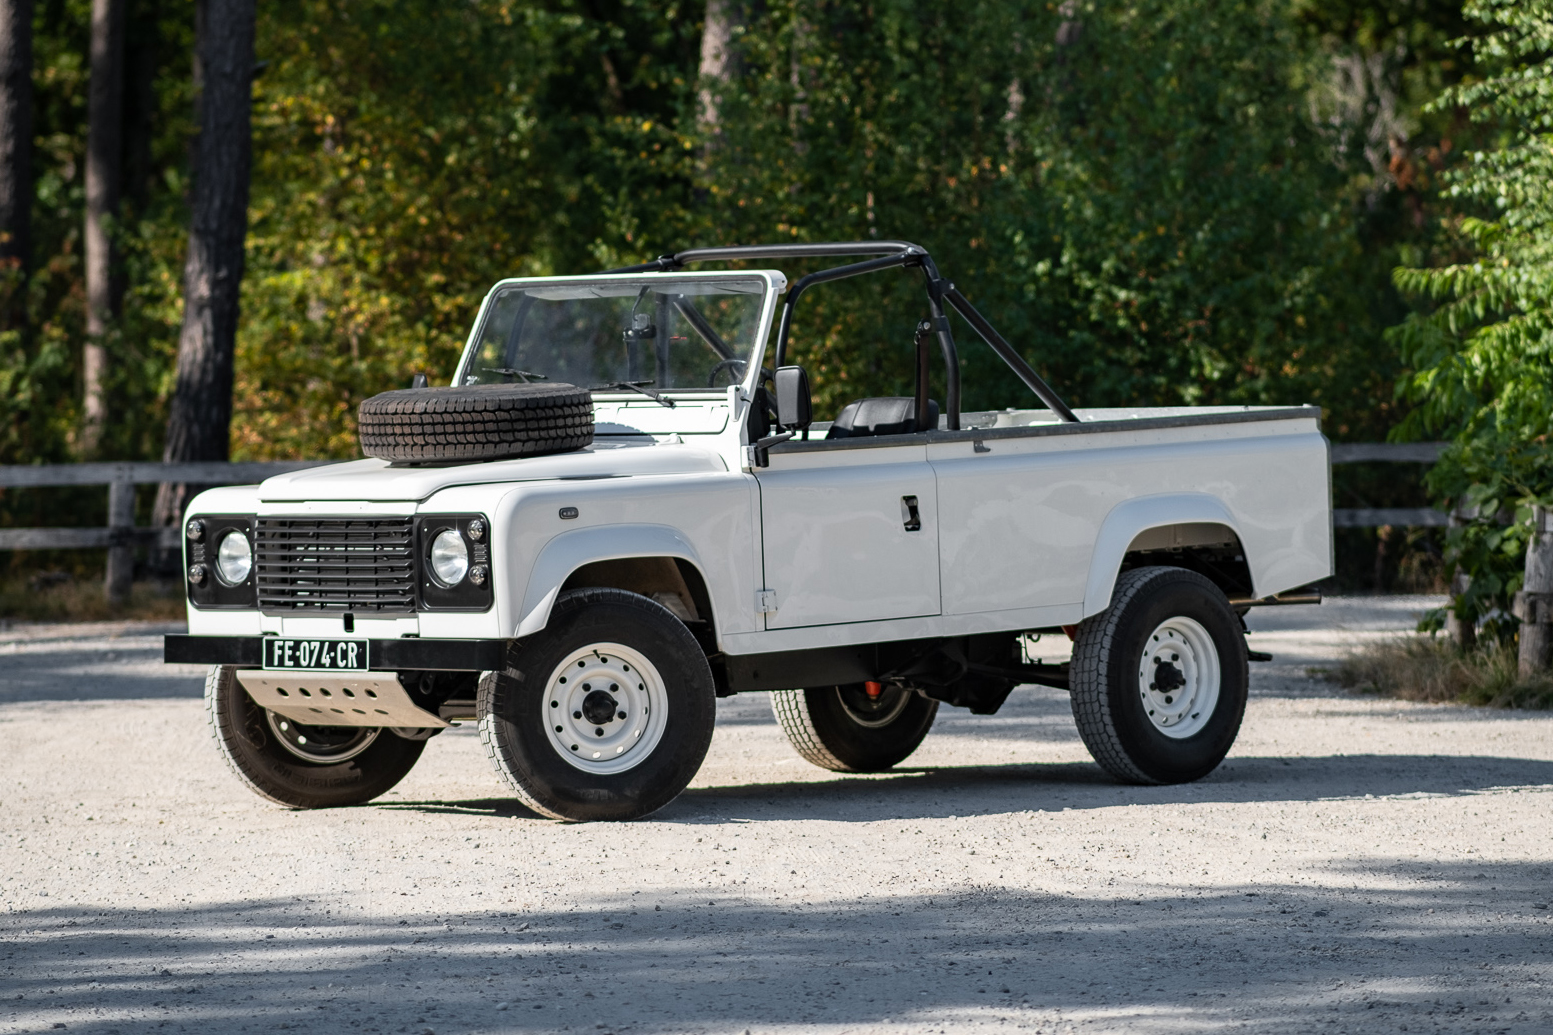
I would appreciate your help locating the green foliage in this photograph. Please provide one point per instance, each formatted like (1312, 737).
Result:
(1136, 195)
(40, 357)
(408, 155)
(1158, 202)
(1483, 351)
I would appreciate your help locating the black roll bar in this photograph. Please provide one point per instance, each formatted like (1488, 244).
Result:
(892, 254)
(1006, 351)
(822, 250)
(935, 301)
(694, 317)
(825, 277)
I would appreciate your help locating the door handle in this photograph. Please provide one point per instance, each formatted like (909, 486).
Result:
(909, 516)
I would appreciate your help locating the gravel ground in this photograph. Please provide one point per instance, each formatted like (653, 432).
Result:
(1357, 865)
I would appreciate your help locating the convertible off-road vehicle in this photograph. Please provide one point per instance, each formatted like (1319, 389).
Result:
(622, 508)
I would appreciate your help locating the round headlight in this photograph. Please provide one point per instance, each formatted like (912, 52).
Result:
(234, 557)
(449, 557)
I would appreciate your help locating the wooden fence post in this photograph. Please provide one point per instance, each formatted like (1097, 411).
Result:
(1463, 631)
(121, 542)
(1534, 604)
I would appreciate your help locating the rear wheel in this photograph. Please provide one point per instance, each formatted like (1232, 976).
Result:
(605, 714)
(295, 764)
(1159, 678)
(845, 729)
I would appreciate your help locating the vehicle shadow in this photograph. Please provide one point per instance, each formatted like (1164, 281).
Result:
(982, 789)
(948, 791)
(1408, 944)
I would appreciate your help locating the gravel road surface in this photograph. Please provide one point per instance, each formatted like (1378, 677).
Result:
(1356, 866)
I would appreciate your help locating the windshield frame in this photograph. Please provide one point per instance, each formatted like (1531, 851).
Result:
(774, 281)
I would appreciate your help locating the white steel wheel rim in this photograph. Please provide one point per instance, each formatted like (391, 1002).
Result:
(1179, 677)
(575, 714)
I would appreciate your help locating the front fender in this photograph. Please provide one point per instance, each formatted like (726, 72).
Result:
(1127, 519)
(571, 550)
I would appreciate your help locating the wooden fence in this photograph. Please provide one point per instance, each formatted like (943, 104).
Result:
(121, 536)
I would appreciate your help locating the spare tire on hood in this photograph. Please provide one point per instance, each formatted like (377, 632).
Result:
(476, 422)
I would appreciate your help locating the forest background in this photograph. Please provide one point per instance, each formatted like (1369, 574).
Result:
(1159, 202)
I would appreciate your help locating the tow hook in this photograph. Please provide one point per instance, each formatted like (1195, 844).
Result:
(873, 689)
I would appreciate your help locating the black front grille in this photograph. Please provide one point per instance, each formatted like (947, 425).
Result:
(335, 564)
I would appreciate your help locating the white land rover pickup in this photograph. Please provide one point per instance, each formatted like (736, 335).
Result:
(621, 510)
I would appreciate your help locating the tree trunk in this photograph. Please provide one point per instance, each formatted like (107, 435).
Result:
(199, 421)
(715, 68)
(15, 153)
(142, 39)
(104, 175)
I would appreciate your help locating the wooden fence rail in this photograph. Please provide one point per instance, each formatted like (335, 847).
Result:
(121, 536)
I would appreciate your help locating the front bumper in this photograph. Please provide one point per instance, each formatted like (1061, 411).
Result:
(397, 655)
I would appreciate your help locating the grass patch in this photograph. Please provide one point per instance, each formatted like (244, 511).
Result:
(56, 597)
(1423, 668)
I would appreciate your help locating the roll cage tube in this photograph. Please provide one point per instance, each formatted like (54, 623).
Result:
(892, 254)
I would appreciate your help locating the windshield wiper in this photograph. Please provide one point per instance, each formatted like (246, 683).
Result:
(635, 386)
(511, 372)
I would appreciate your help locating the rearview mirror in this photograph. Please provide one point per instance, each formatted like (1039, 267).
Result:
(795, 410)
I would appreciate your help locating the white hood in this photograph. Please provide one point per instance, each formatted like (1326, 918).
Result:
(377, 480)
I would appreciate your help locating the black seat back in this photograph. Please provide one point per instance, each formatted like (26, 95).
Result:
(870, 417)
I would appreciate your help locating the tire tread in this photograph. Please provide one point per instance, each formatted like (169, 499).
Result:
(1090, 672)
(792, 714)
(508, 762)
(475, 422)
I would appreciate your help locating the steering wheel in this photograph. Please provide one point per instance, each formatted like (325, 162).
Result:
(730, 364)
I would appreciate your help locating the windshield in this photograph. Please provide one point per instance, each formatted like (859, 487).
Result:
(662, 334)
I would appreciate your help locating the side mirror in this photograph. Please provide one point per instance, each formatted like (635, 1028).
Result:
(795, 410)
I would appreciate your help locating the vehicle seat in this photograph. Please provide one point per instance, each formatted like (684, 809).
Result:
(869, 417)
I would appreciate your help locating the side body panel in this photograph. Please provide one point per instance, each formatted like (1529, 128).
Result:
(1034, 525)
(1026, 531)
(849, 536)
(1053, 516)
(709, 520)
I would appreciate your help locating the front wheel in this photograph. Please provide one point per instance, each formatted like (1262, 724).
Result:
(848, 730)
(605, 714)
(1159, 679)
(295, 764)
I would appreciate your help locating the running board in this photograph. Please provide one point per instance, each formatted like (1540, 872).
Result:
(371, 699)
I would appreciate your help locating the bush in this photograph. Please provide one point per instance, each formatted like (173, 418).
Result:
(1420, 668)
(60, 597)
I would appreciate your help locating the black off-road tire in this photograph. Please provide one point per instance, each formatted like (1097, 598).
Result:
(253, 752)
(475, 422)
(519, 709)
(823, 725)
(1108, 656)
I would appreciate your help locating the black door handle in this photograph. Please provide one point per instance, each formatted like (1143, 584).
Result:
(909, 516)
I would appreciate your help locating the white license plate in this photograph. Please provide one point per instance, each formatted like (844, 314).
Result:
(318, 655)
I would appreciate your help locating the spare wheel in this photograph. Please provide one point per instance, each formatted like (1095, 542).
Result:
(476, 422)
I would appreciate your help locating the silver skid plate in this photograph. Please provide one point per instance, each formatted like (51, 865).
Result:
(370, 699)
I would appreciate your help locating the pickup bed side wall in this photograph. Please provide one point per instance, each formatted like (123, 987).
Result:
(1032, 511)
